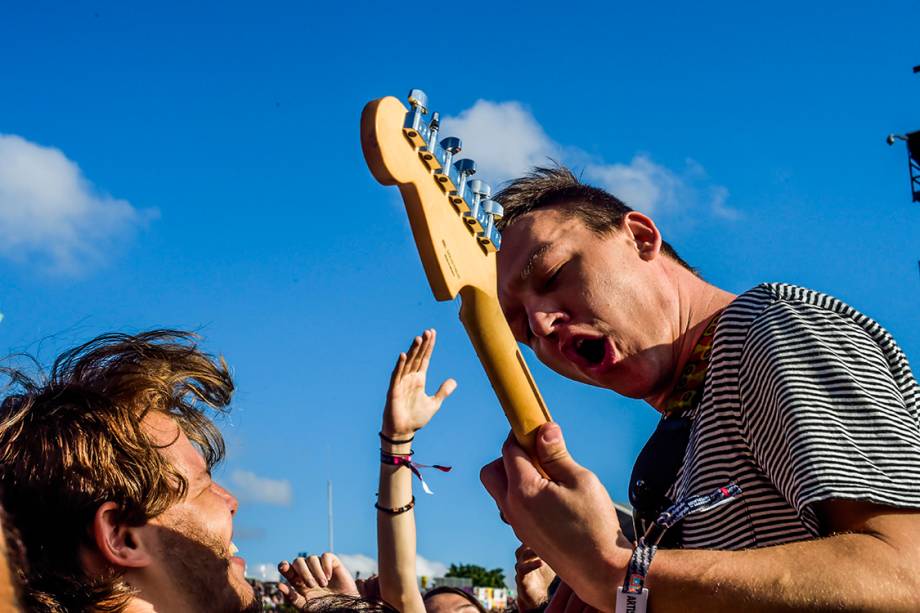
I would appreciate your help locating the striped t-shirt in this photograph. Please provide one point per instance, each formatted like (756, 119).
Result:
(806, 400)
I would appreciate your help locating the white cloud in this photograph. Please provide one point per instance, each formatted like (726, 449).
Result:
(263, 572)
(506, 141)
(429, 568)
(51, 215)
(358, 562)
(642, 184)
(717, 204)
(503, 138)
(250, 487)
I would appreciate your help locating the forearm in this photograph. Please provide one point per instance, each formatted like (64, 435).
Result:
(846, 572)
(396, 538)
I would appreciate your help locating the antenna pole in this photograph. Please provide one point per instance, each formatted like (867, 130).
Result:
(331, 523)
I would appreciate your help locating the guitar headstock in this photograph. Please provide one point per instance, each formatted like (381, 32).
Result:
(452, 214)
(453, 220)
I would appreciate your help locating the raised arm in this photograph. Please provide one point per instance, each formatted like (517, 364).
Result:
(408, 409)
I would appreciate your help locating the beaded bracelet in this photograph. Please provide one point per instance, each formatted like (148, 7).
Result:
(397, 510)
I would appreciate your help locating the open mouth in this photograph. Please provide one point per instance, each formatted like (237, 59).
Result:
(591, 350)
(235, 558)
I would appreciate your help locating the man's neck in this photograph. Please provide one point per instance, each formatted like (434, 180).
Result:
(139, 605)
(163, 602)
(698, 302)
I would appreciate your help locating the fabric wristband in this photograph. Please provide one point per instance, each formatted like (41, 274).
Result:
(396, 459)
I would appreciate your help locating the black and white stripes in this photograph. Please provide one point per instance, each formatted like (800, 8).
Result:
(806, 400)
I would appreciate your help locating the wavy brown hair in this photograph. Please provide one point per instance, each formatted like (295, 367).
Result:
(72, 440)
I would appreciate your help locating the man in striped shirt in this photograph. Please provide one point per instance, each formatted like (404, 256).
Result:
(809, 406)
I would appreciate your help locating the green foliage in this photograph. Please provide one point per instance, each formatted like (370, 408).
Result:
(480, 576)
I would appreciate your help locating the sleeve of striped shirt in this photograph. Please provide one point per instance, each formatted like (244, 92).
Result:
(823, 413)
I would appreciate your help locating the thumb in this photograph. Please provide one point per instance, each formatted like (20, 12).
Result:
(447, 388)
(553, 456)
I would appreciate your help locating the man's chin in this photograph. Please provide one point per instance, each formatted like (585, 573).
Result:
(238, 578)
(245, 591)
(626, 381)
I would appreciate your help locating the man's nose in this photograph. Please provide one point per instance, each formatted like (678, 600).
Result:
(543, 322)
(232, 501)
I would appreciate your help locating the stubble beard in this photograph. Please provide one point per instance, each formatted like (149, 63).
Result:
(200, 568)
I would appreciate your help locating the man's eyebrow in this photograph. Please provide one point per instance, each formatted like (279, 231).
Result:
(535, 255)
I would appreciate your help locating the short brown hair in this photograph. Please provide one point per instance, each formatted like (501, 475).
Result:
(542, 187)
(73, 440)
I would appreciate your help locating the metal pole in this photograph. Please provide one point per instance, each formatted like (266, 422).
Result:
(331, 524)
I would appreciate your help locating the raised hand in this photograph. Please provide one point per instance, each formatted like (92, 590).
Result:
(369, 588)
(532, 576)
(315, 577)
(409, 407)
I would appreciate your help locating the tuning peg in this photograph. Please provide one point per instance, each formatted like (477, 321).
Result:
(475, 187)
(416, 128)
(495, 239)
(419, 100)
(493, 209)
(429, 153)
(480, 192)
(490, 237)
(450, 146)
(433, 127)
(465, 168)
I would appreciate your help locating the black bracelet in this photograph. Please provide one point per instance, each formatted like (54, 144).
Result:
(397, 510)
(393, 441)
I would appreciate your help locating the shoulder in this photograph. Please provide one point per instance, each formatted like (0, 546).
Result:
(793, 319)
(802, 339)
(781, 310)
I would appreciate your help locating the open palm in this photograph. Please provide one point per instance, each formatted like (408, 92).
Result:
(409, 407)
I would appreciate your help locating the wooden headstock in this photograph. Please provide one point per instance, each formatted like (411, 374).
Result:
(453, 253)
(453, 221)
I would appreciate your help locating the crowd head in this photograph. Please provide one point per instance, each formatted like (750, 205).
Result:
(105, 468)
(445, 599)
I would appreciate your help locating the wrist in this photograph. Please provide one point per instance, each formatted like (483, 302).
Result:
(603, 586)
(401, 449)
(395, 441)
(395, 434)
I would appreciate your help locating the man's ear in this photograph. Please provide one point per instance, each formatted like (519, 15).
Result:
(644, 233)
(120, 545)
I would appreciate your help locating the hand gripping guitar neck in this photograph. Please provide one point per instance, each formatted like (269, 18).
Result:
(453, 221)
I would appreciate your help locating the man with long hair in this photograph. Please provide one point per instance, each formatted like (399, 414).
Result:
(105, 468)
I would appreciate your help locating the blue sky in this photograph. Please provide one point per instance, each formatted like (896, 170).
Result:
(198, 166)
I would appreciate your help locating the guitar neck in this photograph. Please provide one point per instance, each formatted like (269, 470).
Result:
(505, 366)
(453, 221)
